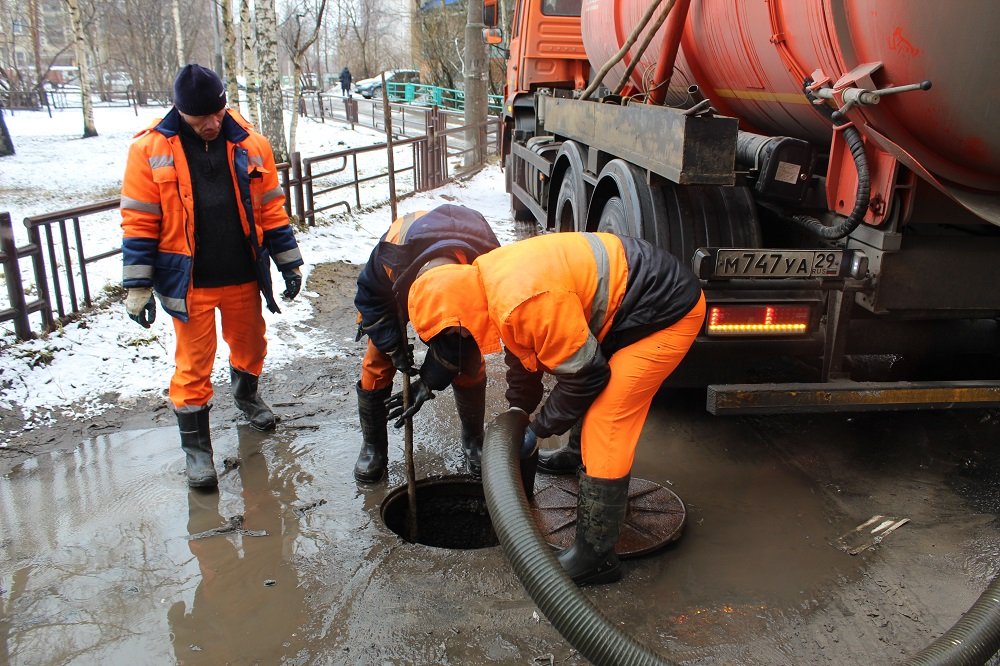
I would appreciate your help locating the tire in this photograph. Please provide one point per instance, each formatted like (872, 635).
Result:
(567, 216)
(615, 220)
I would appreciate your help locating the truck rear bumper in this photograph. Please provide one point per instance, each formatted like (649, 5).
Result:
(848, 396)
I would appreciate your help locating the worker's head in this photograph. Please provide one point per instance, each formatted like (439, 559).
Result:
(449, 297)
(200, 97)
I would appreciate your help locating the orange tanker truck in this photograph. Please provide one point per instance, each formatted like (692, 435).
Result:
(829, 168)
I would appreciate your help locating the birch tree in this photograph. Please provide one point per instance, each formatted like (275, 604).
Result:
(271, 120)
(229, 53)
(80, 51)
(298, 39)
(175, 10)
(247, 38)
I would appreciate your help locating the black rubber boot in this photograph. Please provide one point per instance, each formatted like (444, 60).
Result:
(245, 393)
(600, 512)
(375, 445)
(529, 466)
(196, 442)
(471, 404)
(565, 459)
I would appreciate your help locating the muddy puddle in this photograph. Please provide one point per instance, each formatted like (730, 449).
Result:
(108, 558)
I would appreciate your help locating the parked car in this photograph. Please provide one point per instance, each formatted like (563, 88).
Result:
(372, 87)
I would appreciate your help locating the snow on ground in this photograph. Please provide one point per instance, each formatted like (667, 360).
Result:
(78, 370)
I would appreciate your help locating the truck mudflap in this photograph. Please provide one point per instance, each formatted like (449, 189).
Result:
(849, 396)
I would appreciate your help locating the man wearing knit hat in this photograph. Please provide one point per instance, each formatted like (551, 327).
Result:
(203, 216)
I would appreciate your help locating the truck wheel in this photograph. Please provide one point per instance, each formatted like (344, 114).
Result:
(567, 215)
(627, 207)
(615, 220)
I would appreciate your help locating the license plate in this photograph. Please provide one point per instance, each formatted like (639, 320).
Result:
(778, 263)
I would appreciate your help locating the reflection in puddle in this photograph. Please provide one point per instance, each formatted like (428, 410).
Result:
(98, 564)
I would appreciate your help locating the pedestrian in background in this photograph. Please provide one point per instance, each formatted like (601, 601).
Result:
(203, 216)
(345, 82)
(610, 317)
(452, 234)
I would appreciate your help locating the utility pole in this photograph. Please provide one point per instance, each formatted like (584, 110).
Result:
(475, 84)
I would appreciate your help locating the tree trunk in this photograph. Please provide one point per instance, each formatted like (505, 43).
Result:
(229, 54)
(80, 51)
(6, 144)
(475, 83)
(272, 121)
(179, 37)
(247, 33)
(36, 47)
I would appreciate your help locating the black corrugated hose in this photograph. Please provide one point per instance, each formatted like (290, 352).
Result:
(558, 597)
(970, 642)
(973, 639)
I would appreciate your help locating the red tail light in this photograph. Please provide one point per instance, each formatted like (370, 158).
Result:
(739, 320)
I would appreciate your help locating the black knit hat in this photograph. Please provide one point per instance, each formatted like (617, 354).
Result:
(198, 91)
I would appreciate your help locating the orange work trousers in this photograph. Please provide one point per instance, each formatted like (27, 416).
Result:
(242, 329)
(612, 425)
(377, 371)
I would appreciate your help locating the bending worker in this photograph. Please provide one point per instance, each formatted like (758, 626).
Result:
(203, 216)
(610, 317)
(446, 233)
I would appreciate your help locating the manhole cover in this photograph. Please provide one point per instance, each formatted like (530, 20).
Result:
(451, 513)
(654, 519)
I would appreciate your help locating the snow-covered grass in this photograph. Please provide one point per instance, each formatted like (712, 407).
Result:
(77, 371)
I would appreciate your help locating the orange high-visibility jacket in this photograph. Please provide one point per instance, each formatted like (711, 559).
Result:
(157, 207)
(560, 303)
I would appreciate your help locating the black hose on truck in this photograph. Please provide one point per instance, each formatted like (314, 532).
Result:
(558, 597)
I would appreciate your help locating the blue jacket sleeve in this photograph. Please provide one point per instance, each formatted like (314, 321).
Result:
(375, 301)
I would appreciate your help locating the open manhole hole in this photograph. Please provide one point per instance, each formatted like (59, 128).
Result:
(451, 513)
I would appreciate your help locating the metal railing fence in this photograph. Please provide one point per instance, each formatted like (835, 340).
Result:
(348, 179)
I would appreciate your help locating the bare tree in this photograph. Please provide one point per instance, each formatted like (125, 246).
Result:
(366, 37)
(440, 45)
(229, 53)
(80, 48)
(248, 35)
(299, 31)
(175, 10)
(272, 122)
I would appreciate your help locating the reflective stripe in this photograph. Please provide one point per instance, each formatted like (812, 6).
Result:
(404, 228)
(159, 161)
(128, 203)
(137, 272)
(288, 256)
(602, 294)
(580, 358)
(256, 160)
(272, 194)
(174, 304)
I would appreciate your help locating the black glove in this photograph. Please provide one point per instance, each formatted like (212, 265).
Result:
(141, 311)
(530, 443)
(402, 359)
(293, 283)
(419, 394)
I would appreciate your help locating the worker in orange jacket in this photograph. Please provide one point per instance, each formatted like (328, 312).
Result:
(446, 233)
(610, 317)
(203, 216)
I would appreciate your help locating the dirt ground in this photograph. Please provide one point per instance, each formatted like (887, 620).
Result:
(333, 311)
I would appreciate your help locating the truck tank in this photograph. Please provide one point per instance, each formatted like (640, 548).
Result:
(750, 58)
